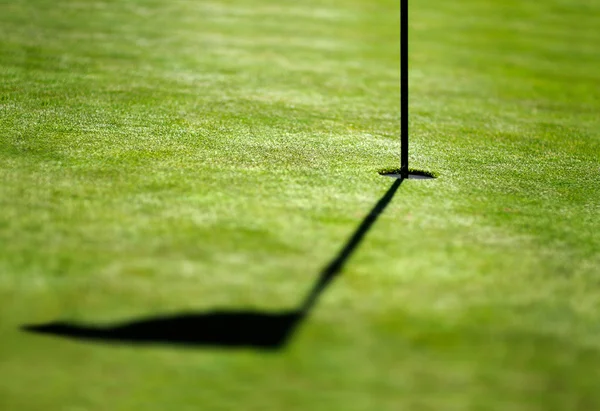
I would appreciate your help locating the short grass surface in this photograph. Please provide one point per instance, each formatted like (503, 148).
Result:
(167, 156)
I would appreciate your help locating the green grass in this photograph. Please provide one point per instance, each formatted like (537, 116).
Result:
(163, 156)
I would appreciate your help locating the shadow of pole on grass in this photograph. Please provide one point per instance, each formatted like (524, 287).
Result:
(226, 329)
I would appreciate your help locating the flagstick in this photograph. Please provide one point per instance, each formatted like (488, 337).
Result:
(404, 89)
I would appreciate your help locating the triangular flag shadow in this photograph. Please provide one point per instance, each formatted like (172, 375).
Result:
(226, 329)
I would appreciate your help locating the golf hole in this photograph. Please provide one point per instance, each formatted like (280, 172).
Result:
(412, 174)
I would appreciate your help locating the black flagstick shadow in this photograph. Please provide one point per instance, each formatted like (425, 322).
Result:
(228, 329)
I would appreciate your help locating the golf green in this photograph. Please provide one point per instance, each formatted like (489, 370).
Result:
(163, 159)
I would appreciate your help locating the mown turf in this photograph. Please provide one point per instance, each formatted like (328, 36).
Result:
(159, 157)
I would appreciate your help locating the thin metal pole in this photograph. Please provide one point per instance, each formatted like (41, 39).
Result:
(404, 88)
